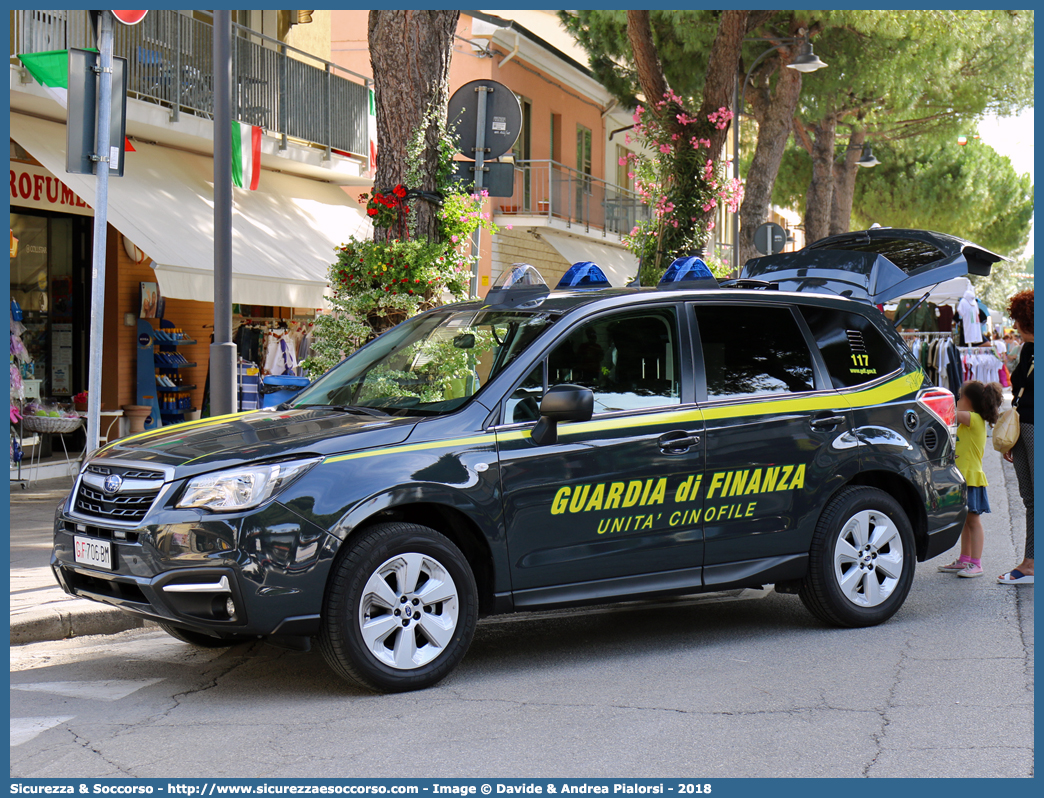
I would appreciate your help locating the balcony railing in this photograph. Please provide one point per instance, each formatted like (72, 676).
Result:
(570, 197)
(170, 61)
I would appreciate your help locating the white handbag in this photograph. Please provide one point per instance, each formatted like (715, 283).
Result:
(1006, 430)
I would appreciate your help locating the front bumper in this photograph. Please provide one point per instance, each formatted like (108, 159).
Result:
(183, 566)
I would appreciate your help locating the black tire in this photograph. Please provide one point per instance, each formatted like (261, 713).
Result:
(862, 559)
(381, 627)
(203, 640)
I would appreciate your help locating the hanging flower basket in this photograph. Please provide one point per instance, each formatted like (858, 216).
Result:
(51, 425)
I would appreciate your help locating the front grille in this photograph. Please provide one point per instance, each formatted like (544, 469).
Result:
(126, 473)
(111, 588)
(128, 506)
(117, 535)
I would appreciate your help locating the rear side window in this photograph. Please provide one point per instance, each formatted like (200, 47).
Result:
(854, 349)
(753, 351)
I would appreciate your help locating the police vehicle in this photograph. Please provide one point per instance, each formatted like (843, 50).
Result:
(542, 449)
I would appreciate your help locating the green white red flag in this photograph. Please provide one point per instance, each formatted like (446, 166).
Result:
(246, 155)
(51, 70)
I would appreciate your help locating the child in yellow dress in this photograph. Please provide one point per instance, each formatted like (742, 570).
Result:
(977, 405)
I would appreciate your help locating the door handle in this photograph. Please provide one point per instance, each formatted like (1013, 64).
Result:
(826, 423)
(677, 442)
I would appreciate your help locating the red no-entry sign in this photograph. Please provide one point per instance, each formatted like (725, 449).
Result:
(130, 17)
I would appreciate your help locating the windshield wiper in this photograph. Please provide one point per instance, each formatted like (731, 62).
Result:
(357, 409)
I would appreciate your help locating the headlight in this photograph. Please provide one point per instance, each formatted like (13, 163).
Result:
(242, 488)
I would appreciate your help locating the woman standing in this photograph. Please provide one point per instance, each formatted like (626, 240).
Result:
(1021, 455)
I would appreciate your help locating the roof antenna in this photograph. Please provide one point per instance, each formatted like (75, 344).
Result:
(637, 281)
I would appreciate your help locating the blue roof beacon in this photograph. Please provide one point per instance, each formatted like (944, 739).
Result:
(585, 275)
(688, 271)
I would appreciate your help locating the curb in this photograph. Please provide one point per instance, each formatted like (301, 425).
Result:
(70, 619)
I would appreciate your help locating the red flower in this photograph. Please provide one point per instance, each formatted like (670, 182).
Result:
(371, 211)
(399, 191)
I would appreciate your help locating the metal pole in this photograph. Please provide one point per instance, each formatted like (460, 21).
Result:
(222, 350)
(480, 161)
(101, 205)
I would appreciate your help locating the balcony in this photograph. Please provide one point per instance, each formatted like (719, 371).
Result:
(286, 91)
(570, 198)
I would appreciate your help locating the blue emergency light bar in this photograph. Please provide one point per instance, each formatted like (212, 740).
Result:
(584, 274)
(689, 271)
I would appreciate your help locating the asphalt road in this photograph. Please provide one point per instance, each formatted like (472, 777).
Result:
(737, 686)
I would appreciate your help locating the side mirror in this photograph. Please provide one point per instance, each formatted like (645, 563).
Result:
(561, 403)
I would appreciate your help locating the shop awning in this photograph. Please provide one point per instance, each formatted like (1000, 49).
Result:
(619, 265)
(283, 234)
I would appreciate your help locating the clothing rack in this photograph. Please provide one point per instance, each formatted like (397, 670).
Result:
(917, 335)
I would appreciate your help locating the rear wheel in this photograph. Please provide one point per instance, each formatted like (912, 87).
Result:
(862, 559)
(401, 609)
(201, 639)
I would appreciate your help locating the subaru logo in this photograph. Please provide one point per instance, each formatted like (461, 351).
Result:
(113, 483)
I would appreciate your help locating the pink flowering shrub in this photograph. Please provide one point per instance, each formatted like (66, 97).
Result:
(683, 185)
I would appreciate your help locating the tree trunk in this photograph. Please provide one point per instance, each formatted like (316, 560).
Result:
(721, 72)
(821, 189)
(773, 132)
(410, 55)
(844, 184)
(650, 71)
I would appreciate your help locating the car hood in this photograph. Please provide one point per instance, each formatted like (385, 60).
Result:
(225, 441)
(874, 266)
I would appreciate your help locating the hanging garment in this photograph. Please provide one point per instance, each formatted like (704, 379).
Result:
(280, 358)
(249, 379)
(953, 367)
(968, 311)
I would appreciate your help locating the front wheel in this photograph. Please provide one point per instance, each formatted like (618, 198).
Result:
(400, 610)
(862, 559)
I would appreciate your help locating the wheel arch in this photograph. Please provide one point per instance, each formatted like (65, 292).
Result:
(904, 492)
(447, 520)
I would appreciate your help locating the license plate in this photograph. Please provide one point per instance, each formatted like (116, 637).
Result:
(91, 551)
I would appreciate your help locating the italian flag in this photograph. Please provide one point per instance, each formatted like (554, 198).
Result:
(51, 70)
(371, 131)
(246, 155)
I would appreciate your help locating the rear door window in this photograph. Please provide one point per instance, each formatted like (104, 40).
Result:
(854, 350)
(753, 350)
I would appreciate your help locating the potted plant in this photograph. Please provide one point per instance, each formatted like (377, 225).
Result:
(80, 402)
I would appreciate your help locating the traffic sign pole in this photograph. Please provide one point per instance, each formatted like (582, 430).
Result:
(480, 160)
(101, 205)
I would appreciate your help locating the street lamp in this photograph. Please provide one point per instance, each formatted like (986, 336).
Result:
(867, 159)
(806, 61)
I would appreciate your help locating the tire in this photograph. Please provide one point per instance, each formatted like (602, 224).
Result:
(382, 626)
(201, 639)
(862, 559)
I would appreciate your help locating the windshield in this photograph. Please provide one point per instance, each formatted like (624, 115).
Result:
(429, 365)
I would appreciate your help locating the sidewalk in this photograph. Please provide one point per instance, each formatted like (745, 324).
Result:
(41, 610)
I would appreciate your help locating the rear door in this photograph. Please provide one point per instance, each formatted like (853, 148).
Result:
(772, 420)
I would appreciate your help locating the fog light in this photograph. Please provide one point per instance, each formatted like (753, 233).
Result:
(230, 607)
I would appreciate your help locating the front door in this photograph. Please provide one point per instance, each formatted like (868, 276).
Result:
(606, 509)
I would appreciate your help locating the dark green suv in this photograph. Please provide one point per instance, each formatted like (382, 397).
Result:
(548, 449)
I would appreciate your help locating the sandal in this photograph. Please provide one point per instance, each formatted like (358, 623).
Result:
(1015, 577)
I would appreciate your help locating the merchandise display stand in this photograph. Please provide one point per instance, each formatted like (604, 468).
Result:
(147, 394)
(174, 398)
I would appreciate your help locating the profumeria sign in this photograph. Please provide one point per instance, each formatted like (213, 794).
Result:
(35, 187)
